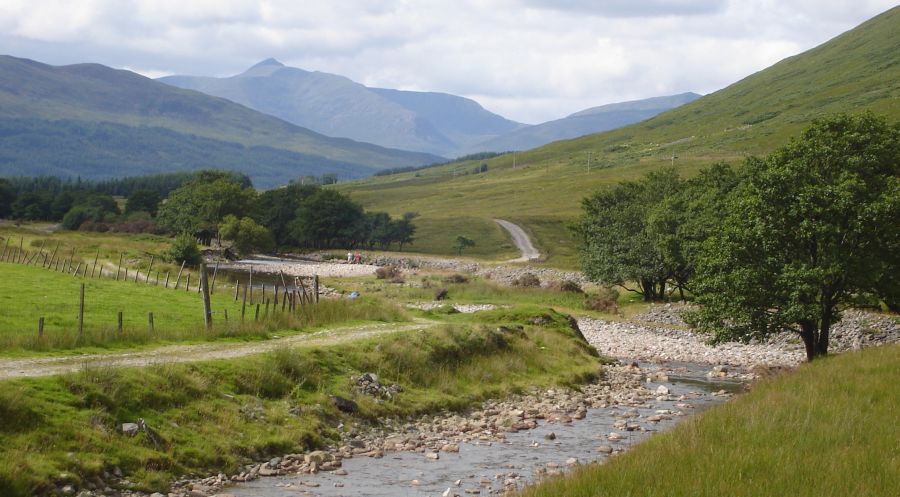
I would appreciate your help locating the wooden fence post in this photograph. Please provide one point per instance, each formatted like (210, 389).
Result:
(204, 284)
(179, 276)
(137, 273)
(167, 279)
(119, 320)
(256, 317)
(150, 320)
(187, 282)
(244, 304)
(41, 327)
(119, 268)
(250, 284)
(212, 286)
(316, 287)
(5, 247)
(81, 313)
(237, 286)
(96, 257)
(148, 270)
(53, 256)
(225, 313)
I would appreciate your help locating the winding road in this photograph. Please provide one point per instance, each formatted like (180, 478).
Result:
(520, 238)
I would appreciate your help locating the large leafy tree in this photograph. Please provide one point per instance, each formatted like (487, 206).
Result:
(618, 244)
(247, 235)
(812, 226)
(200, 205)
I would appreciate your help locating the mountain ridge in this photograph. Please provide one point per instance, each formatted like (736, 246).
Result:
(93, 93)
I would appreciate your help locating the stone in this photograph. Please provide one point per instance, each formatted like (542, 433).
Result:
(345, 405)
(550, 436)
(268, 472)
(130, 429)
(340, 472)
(572, 461)
(605, 449)
(450, 448)
(434, 456)
(662, 390)
(318, 457)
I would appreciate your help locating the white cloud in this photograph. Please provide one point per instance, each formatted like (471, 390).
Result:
(530, 60)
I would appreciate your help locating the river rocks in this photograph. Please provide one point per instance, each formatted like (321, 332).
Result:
(605, 449)
(662, 390)
(368, 384)
(434, 456)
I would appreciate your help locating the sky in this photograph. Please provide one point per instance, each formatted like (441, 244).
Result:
(528, 60)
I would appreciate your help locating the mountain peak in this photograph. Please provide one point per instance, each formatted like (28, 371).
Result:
(268, 62)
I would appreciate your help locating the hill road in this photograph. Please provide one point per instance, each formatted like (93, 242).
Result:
(520, 238)
(48, 366)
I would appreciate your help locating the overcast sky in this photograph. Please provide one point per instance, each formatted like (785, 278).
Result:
(529, 60)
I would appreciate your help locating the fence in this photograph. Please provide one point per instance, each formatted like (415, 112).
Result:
(264, 301)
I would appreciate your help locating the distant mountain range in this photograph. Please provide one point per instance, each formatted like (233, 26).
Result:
(437, 123)
(333, 105)
(94, 121)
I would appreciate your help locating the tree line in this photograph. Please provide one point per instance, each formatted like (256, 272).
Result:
(209, 205)
(784, 243)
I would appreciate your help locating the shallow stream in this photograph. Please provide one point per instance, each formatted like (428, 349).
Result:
(486, 468)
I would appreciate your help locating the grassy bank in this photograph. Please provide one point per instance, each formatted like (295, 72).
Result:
(215, 416)
(828, 429)
(28, 292)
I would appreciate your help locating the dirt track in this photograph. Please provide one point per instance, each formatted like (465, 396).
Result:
(47, 366)
(520, 238)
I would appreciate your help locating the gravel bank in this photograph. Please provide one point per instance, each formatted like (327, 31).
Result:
(659, 334)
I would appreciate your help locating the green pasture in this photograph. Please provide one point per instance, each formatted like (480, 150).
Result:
(28, 293)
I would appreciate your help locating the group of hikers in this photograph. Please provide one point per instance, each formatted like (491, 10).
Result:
(354, 258)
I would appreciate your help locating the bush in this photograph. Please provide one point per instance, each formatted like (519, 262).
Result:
(387, 272)
(184, 248)
(568, 286)
(440, 294)
(605, 300)
(456, 278)
(527, 280)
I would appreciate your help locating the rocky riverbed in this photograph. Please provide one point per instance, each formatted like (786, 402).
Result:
(629, 403)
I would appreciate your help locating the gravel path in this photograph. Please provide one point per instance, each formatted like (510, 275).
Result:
(47, 366)
(520, 238)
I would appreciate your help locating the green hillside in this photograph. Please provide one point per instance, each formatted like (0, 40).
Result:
(542, 188)
(91, 93)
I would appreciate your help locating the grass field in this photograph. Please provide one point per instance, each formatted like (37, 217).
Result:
(28, 292)
(215, 416)
(828, 429)
(543, 187)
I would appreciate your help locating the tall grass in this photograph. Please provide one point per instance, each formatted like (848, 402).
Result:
(829, 429)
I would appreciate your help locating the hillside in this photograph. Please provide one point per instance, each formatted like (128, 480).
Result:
(854, 72)
(86, 96)
(593, 120)
(436, 123)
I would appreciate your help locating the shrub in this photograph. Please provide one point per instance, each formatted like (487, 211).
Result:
(184, 248)
(456, 278)
(568, 286)
(605, 300)
(527, 280)
(440, 294)
(387, 272)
